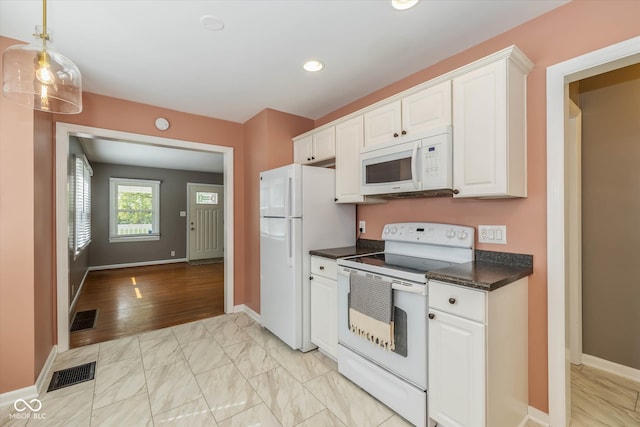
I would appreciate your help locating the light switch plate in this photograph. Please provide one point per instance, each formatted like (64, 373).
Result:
(496, 234)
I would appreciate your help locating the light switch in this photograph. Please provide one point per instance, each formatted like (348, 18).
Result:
(183, 213)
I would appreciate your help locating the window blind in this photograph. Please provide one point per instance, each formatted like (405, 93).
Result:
(82, 190)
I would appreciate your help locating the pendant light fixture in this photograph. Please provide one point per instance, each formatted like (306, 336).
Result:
(38, 76)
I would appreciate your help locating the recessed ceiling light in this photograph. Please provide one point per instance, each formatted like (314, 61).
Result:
(403, 4)
(212, 23)
(313, 65)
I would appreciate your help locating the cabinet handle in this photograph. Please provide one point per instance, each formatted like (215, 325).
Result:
(395, 135)
(308, 159)
(404, 132)
(452, 300)
(432, 316)
(313, 158)
(310, 277)
(322, 267)
(455, 191)
(335, 200)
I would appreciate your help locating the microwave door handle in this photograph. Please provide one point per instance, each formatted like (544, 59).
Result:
(414, 161)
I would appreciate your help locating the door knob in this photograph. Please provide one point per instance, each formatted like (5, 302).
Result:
(432, 316)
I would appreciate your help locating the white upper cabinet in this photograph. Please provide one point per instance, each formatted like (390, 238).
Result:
(489, 129)
(409, 118)
(315, 148)
(349, 143)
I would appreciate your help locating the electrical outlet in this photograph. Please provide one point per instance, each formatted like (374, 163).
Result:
(362, 226)
(496, 234)
(173, 253)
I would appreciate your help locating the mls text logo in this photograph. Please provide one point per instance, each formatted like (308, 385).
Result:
(33, 407)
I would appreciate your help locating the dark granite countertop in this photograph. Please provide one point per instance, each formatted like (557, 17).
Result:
(362, 247)
(490, 270)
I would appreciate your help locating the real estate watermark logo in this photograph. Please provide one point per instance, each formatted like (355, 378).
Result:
(28, 410)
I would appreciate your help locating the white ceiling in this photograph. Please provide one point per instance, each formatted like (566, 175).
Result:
(148, 155)
(158, 53)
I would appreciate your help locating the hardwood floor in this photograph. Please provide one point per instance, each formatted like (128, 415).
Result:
(137, 299)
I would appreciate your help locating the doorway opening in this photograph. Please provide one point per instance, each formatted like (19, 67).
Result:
(63, 133)
(559, 77)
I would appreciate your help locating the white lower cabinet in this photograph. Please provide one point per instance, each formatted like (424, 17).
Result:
(324, 305)
(478, 355)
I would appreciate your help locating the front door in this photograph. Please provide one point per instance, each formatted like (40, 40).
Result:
(205, 221)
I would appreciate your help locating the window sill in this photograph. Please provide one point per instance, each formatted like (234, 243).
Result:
(144, 238)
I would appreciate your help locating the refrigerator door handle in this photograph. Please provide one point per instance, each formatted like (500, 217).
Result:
(290, 248)
(289, 197)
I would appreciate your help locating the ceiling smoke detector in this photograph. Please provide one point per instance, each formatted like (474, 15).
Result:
(212, 23)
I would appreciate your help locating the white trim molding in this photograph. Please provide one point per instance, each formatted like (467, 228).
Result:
(611, 367)
(538, 417)
(558, 78)
(136, 264)
(63, 131)
(242, 308)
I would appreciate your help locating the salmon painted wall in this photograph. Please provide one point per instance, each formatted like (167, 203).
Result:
(17, 327)
(564, 33)
(126, 116)
(44, 245)
(267, 138)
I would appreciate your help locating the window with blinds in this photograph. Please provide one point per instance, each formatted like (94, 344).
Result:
(134, 213)
(82, 205)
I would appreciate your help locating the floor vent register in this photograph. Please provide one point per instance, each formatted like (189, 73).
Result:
(72, 376)
(84, 320)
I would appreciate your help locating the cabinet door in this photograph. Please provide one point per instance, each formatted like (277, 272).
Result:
(303, 150)
(456, 371)
(349, 142)
(479, 132)
(381, 124)
(324, 145)
(324, 314)
(427, 109)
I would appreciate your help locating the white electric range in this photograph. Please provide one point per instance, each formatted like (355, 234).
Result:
(398, 377)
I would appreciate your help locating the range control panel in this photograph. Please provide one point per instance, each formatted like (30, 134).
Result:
(430, 233)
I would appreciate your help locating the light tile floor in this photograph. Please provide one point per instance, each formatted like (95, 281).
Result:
(228, 371)
(224, 371)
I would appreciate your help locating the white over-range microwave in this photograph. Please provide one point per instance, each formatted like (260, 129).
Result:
(421, 166)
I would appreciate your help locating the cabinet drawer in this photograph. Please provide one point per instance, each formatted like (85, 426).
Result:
(456, 300)
(324, 267)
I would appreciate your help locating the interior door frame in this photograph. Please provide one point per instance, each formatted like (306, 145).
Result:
(574, 177)
(558, 78)
(224, 208)
(62, 132)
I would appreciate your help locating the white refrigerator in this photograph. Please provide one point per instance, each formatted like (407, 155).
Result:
(298, 213)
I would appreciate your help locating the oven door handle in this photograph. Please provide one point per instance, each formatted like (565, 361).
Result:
(421, 290)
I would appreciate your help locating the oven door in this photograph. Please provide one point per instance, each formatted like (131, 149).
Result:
(409, 359)
(393, 169)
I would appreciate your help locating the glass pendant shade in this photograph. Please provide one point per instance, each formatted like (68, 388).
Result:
(38, 76)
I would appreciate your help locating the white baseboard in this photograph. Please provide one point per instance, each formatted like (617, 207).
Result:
(539, 417)
(77, 295)
(46, 369)
(249, 312)
(32, 391)
(137, 264)
(611, 367)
